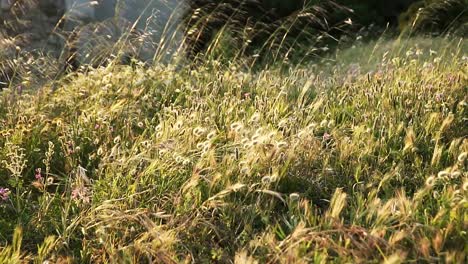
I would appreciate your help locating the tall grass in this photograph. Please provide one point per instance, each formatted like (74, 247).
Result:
(356, 159)
(199, 30)
(360, 156)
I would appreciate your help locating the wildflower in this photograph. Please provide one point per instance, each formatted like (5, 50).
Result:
(80, 193)
(326, 136)
(4, 193)
(71, 149)
(140, 124)
(38, 174)
(451, 78)
(294, 196)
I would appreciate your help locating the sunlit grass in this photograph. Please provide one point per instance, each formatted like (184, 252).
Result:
(361, 157)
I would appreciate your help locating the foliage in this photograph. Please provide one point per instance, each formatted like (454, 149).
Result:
(361, 157)
(437, 16)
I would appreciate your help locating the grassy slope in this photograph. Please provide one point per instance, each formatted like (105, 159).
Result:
(358, 159)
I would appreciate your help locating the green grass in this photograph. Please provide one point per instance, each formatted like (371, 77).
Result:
(359, 158)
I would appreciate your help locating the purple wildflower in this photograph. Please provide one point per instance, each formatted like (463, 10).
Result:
(326, 136)
(38, 174)
(4, 192)
(80, 193)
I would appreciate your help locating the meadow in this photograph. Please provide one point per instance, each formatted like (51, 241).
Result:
(358, 157)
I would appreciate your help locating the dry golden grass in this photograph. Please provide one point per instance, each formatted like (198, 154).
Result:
(359, 159)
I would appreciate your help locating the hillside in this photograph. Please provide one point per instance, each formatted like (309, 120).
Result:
(361, 157)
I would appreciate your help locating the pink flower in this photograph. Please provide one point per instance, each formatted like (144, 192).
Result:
(81, 193)
(38, 174)
(326, 136)
(4, 193)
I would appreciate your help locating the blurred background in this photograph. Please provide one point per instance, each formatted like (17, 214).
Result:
(62, 35)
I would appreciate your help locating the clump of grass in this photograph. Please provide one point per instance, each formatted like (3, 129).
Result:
(348, 160)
